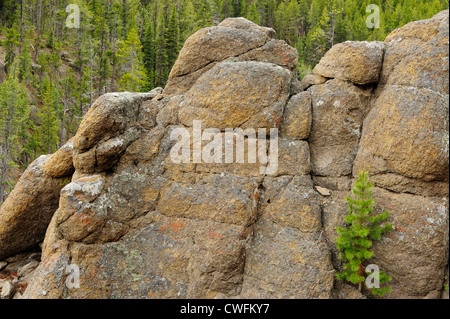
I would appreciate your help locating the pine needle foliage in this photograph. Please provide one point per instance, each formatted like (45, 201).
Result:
(364, 227)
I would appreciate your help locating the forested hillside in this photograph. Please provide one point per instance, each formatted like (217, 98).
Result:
(50, 74)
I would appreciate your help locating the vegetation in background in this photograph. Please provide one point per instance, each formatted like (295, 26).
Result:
(355, 240)
(132, 45)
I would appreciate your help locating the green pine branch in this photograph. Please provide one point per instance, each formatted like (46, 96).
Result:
(355, 240)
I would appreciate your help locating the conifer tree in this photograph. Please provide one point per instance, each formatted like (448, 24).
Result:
(172, 38)
(24, 63)
(252, 13)
(148, 48)
(131, 59)
(355, 241)
(48, 128)
(161, 67)
(187, 20)
(13, 112)
(11, 44)
(203, 17)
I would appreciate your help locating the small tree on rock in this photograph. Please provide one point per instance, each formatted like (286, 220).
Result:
(355, 241)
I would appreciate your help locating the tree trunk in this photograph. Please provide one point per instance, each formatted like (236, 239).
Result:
(21, 26)
(38, 22)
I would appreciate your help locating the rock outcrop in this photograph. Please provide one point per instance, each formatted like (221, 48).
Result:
(139, 225)
(27, 211)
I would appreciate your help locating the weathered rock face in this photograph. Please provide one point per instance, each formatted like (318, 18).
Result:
(405, 141)
(355, 61)
(338, 110)
(237, 94)
(405, 138)
(60, 164)
(236, 39)
(26, 213)
(139, 225)
(417, 55)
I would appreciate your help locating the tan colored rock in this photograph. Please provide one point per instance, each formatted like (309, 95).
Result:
(144, 149)
(338, 110)
(297, 118)
(252, 168)
(310, 80)
(274, 51)
(244, 24)
(285, 259)
(109, 116)
(76, 218)
(108, 153)
(323, 191)
(237, 94)
(293, 158)
(345, 291)
(417, 55)
(149, 109)
(226, 199)
(26, 213)
(356, 61)
(333, 183)
(169, 114)
(236, 39)
(406, 134)
(214, 44)
(60, 164)
(84, 162)
(179, 85)
(141, 226)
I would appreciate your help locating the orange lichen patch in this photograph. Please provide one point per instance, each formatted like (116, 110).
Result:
(20, 288)
(416, 223)
(89, 179)
(84, 219)
(171, 227)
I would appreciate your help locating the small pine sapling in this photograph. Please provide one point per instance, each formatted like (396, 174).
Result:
(355, 240)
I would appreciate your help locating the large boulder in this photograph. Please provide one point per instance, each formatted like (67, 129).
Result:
(356, 61)
(297, 117)
(27, 211)
(404, 142)
(417, 55)
(288, 257)
(234, 38)
(338, 110)
(237, 94)
(60, 164)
